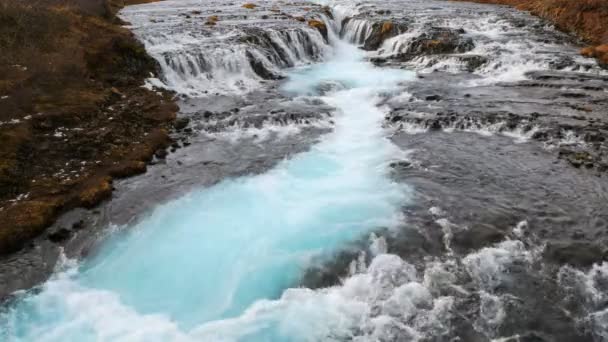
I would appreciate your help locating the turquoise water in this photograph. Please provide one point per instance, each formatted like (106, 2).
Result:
(215, 264)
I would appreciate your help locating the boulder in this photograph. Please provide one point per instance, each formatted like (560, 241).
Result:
(382, 31)
(440, 41)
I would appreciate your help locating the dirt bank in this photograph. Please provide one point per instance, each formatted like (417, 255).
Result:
(586, 18)
(73, 112)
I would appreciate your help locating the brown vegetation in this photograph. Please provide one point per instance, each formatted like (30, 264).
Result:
(249, 6)
(586, 18)
(319, 25)
(72, 110)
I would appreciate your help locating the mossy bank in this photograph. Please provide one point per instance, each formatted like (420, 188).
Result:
(73, 112)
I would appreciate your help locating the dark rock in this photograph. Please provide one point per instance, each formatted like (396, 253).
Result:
(78, 225)
(435, 125)
(433, 98)
(260, 68)
(476, 237)
(440, 41)
(562, 63)
(578, 254)
(578, 159)
(404, 164)
(181, 123)
(473, 62)
(161, 153)
(61, 235)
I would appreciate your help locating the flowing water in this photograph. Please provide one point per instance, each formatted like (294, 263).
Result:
(408, 218)
(204, 262)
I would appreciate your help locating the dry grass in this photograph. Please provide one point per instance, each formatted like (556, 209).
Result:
(69, 64)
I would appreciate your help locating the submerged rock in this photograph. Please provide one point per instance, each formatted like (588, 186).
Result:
(477, 236)
(579, 254)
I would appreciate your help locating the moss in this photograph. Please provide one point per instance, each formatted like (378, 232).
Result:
(95, 191)
(23, 221)
(128, 168)
(317, 24)
(212, 20)
(386, 27)
(249, 6)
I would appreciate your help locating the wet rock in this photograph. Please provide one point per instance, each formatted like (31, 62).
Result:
(578, 254)
(382, 31)
(78, 225)
(320, 26)
(476, 237)
(440, 41)
(181, 123)
(260, 68)
(161, 153)
(60, 235)
(578, 159)
(473, 62)
(328, 12)
(400, 165)
(562, 63)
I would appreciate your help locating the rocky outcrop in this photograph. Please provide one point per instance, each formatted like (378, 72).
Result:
(320, 26)
(439, 40)
(381, 31)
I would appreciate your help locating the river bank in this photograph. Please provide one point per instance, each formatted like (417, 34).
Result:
(73, 112)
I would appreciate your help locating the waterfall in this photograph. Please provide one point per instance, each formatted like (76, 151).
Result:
(230, 56)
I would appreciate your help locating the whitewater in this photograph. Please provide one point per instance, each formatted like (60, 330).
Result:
(221, 263)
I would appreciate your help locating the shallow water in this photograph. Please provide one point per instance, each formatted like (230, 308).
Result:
(217, 252)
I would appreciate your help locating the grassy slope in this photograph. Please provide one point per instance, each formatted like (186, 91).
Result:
(586, 18)
(70, 82)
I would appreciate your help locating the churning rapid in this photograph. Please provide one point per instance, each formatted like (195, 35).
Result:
(395, 170)
(215, 264)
